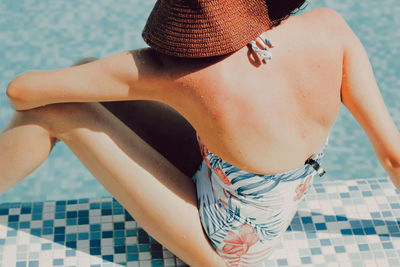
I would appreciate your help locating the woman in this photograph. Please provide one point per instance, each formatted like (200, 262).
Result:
(263, 121)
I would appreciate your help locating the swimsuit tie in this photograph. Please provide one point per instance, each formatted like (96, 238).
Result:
(315, 165)
(265, 53)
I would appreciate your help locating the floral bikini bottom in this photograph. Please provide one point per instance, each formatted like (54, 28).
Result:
(244, 214)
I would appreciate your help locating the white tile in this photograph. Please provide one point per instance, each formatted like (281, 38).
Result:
(106, 226)
(144, 256)
(96, 212)
(336, 202)
(120, 257)
(345, 264)
(45, 254)
(130, 225)
(333, 264)
(48, 216)
(3, 220)
(145, 264)
(342, 257)
(46, 262)
(169, 262)
(328, 250)
(23, 237)
(132, 264)
(318, 259)
(318, 219)
(25, 217)
(106, 250)
(59, 222)
(352, 248)
(83, 206)
(82, 243)
(131, 240)
(371, 263)
(14, 211)
(119, 218)
(294, 259)
(35, 247)
(382, 263)
(59, 247)
(71, 207)
(106, 219)
(382, 229)
(70, 261)
(58, 253)
(48, 207)
(96, 260)
(71, 229)
(381, 200)
(83, 228)
(34, 239)
(107, 242)
(83, 261)
(94, 219)
(36, 224)
(34, 255)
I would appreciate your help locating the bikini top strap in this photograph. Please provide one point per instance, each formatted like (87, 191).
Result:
(265, 54)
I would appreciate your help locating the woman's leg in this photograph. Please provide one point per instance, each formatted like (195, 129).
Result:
(24, 144)
(162, 128)
(159, 196)
(26, 140)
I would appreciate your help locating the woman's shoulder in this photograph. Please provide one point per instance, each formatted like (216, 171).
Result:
(323, 14)
(325, 18)
(324, 26)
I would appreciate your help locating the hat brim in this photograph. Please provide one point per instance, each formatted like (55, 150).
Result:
(207, 28)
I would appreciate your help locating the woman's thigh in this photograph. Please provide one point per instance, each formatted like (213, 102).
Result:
(160, 197)
(163, 128)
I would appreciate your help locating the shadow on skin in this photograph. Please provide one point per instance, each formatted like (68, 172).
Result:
(159, 125)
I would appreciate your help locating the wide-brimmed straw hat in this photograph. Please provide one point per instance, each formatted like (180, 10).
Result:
(204, 28)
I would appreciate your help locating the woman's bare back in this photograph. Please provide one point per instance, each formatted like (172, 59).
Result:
(263, 118)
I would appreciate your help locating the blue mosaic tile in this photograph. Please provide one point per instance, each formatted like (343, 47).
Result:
(58, 262)
(340, 249)
(306, 228)
(95, 235)
(306, 260)
(33, 264)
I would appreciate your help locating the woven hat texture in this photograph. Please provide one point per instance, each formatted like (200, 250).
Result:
(204, 28)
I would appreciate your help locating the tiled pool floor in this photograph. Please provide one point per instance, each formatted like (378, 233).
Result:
(343, 223)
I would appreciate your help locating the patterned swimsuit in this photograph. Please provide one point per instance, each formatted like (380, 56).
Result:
(242, 213)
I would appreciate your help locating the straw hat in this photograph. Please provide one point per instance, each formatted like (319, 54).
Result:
(204, 28)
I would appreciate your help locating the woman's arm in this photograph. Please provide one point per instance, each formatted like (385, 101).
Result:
(360, 94)
(109, 79)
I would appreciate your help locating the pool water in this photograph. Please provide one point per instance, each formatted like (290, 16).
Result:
(53, 34)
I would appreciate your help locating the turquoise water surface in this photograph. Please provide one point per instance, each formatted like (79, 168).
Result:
(53, 34)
